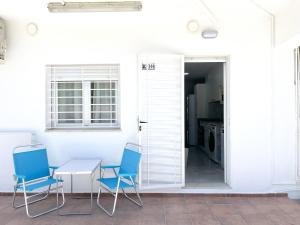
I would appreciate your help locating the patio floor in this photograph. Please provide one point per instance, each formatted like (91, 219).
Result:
(168, 209)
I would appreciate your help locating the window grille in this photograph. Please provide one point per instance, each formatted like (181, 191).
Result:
(83, 96)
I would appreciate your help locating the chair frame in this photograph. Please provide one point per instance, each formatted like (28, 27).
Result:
(45, 193)
(138, 202)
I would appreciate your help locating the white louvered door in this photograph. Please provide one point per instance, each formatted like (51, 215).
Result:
(161, 120)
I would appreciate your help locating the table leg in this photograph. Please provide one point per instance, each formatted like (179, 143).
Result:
(71, 185)
(92, 178)
(69, 213)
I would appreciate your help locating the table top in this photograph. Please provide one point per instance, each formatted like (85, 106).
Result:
(78, 166)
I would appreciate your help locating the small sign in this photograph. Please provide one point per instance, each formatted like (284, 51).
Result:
(148, 66)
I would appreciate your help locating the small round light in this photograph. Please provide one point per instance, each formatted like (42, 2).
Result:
(32, 29)
(193, 26)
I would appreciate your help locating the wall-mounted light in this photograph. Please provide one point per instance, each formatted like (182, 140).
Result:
(2, 40)
(32, 29)
(120, 6)
(192, 26)
(209, 33)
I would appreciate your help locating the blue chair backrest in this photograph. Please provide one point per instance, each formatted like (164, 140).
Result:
(130, 161)
(32, 164)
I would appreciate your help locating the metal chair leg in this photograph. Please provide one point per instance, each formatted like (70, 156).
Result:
(27, 203)
(31, 196)
(115, 201)
(139, 202)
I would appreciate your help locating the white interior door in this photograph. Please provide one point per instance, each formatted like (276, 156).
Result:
(161, 120)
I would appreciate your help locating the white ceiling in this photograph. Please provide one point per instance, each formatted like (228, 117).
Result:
(274, 6)
(199, 70)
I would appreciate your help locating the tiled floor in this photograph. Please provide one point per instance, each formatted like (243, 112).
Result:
(170, 209)
(201, 171)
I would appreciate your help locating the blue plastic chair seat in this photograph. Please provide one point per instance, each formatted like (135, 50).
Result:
(31, 187)
(112, 183)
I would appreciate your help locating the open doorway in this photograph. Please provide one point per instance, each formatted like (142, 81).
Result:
(204, 124)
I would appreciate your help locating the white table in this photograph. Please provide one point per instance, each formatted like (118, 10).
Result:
(79, 167)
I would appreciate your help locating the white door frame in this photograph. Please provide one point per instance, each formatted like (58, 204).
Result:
(297, 102)
(226, 83)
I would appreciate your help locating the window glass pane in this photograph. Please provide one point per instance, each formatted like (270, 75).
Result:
(100, 85)
(97, 93)
(69, 93)
(69, 108)
(100, 100)
(101, 108)
(69, 121)
(70, 101)
(102, 121)
(69, 116)
(69, 85)
(103, 99)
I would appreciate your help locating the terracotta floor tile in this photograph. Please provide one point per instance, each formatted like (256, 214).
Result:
(290, 208)
(178, 200)
(175, 209)
(262, 200)
(261, 208)
(201, 209)
(193, 198)
(279, 219)
(246, 209)
(231, 220)
(257, 219)
(152, 219)
(223, 209)
(178, 219)
(166, 209)
(207, 219)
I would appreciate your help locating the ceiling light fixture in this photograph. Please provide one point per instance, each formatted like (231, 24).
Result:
(118, 6)
(209, 33)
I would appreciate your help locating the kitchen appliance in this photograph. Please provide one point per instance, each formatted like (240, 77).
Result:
(214, 142)
(222, 146)
(192, 121)
(201, 94)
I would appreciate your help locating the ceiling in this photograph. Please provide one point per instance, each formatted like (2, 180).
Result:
(199, 70)
(273, 6)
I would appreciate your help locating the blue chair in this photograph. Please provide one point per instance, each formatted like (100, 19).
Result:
(32, 172)
(124, 178)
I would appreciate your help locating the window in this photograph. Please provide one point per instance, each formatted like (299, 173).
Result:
(83, 96)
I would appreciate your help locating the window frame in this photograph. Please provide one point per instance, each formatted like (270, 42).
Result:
(52, 123)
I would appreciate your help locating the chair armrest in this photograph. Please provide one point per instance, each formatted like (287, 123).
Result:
(53, 167)
(127, 174)
(110, 167)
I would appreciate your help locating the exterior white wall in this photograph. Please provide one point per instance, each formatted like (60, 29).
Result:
(284, 125)
(8, 141)
(244, 36)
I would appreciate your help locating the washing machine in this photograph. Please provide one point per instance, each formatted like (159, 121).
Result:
(222, 146)
(214, 142)
(203, 136)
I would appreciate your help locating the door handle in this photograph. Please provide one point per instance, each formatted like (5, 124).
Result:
(140, 126)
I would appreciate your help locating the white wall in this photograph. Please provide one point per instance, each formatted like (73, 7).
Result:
(244, 36)
(284, 125)
(8, 141)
